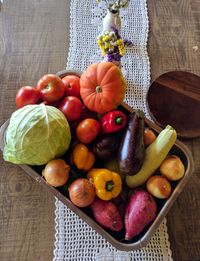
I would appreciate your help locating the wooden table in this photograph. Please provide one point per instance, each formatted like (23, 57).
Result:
(33, 41)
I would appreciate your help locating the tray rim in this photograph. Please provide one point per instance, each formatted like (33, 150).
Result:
(92, 223)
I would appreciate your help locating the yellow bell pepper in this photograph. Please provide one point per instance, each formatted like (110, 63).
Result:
(108, 184)
(82, 158)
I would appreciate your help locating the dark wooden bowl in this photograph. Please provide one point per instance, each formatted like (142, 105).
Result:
(174, 98)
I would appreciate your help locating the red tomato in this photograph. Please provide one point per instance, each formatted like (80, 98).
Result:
(27, 95)
(72, 85)
(51, 88)
(71, 107)
(87, 130)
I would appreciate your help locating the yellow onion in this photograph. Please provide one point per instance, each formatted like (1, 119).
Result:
(159, 187)
(82, 192)
(172, 168)
(56, 172)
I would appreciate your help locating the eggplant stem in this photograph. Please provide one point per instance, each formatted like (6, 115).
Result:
(139, 113)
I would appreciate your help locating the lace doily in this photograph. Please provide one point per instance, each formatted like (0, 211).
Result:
(75, 240)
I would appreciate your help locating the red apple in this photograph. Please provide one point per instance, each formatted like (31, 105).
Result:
(27, 95)
(71, 107)
(51, 88)
(72, 85)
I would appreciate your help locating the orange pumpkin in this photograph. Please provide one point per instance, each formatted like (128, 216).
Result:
(102, 87)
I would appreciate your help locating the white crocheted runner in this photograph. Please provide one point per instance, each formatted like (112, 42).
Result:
(75, 240)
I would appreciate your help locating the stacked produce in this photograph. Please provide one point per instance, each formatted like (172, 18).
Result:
(103, 157)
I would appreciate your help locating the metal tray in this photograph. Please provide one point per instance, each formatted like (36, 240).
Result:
(163, 205)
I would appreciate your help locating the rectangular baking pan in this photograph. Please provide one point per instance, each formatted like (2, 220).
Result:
(164, 206)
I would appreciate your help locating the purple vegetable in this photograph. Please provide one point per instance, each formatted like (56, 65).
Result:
(140, 211)
(131, 151)
(107, 214)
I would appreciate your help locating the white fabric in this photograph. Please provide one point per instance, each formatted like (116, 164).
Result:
(75, 240)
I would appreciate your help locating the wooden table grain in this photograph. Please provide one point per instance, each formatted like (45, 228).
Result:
(34, 41)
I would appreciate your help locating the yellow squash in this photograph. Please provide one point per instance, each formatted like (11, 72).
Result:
(155, 153)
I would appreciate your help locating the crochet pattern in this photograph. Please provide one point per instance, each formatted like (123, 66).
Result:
(75, 240)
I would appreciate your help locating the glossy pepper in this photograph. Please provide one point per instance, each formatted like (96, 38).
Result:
(108, 184)
(113, 121)
(82, 158)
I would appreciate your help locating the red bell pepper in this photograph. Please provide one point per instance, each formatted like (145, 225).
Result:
(113, 121)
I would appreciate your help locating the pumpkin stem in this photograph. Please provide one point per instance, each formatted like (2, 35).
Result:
(98, 89)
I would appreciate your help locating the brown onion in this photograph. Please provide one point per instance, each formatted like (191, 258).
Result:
(172, 168)
(56, 172)
(82, 192)
(159, 187)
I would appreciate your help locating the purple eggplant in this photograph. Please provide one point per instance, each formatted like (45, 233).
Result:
(131, 151)
(106, 146)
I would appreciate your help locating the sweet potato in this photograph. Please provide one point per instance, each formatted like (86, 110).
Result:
(107, 214)
(140, 211)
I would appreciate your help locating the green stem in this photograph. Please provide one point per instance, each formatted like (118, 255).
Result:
(98, 89)
(118, 120)
(139, 113)
(47, 86)
(110, 185)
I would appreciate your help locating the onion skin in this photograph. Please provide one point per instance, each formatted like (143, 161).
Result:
(159, 187)
(172, 168)
(56, 172)
(82, 192)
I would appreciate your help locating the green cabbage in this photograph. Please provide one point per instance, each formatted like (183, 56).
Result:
(35, 135)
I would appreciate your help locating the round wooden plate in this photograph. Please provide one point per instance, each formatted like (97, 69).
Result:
(174, 98)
